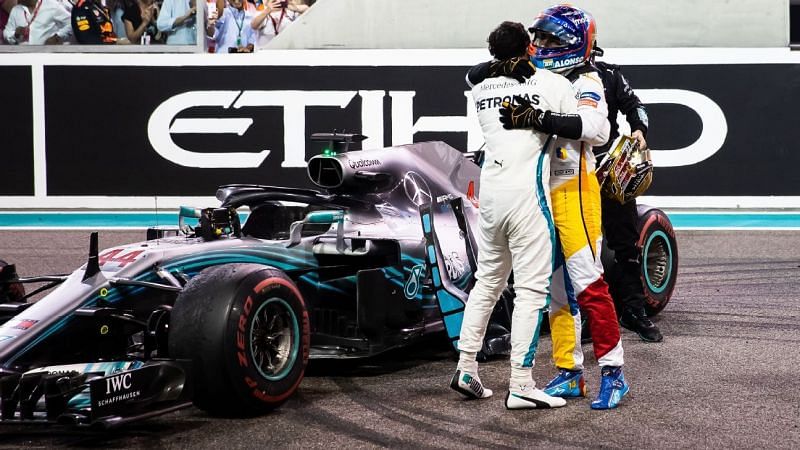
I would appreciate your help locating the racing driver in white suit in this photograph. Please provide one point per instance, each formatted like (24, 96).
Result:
(564, 38)
(515, 223)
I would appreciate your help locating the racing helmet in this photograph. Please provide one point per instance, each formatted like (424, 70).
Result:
(626, 171)
(575, 31)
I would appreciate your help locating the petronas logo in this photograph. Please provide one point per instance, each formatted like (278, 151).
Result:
(414, 281)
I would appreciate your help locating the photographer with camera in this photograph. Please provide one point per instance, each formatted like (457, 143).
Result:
(231, 31)
(276, 16)
(177, 21)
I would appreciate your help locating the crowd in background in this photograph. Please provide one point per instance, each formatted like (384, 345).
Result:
(231, 26)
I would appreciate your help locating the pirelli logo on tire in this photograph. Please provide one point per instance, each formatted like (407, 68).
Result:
(272, 337)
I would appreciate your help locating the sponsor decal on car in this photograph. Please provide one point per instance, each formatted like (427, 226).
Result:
(119, 388)
(455, 266)
(20, 324)
(112, 394)
(414, 281)
(361, 163)
(116, 259)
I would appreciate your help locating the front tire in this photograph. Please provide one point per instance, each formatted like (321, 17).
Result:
(245, 328)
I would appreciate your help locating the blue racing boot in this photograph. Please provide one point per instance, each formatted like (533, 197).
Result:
(568, 383)
(612, 388)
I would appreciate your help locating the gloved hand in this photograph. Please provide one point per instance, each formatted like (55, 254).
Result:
(521, 114)
(519, 67)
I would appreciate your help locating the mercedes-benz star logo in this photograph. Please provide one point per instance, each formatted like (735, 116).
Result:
(417, 189)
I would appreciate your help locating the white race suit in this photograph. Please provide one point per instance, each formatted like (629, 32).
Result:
(515, 223)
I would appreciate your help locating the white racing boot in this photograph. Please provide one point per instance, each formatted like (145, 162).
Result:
(469, 385)
(528, 397)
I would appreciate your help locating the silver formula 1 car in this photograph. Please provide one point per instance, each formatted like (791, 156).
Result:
(226, 315)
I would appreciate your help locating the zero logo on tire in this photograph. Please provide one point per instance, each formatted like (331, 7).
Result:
(246, 330)
(272, 339)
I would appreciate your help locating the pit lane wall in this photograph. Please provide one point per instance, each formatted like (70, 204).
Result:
(130, 131)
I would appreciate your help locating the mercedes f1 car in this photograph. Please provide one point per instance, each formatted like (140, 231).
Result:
(226, 315)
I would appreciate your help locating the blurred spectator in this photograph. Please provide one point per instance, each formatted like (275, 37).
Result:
(91, 23)
(16, 28)
(5, 10)
(231, 31)
(44, 22)
(140, 22)
(177, 21)
(210, 11)
(116, 8)
(275, 16)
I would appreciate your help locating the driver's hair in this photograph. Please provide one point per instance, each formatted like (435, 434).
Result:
(508, 40)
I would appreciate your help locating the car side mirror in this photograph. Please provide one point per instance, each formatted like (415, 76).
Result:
(319, 217)
(187, 212)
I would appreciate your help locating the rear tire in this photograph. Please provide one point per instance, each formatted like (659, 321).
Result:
(245, 328)
(659, 258)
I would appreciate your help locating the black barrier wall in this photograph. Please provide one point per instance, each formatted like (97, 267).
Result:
(759, 152)
(102, 140)
(16, 137)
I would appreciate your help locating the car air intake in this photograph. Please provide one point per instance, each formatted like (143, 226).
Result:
(326, 172)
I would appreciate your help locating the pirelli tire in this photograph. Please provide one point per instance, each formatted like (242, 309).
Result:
(245, 328)
(659, 258)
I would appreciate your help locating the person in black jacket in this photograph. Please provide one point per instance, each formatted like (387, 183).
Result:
(620, 220)
(91, 23)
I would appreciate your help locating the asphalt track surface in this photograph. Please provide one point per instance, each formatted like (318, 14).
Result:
(724, 377)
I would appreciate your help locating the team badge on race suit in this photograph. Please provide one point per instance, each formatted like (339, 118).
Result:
(589, 98)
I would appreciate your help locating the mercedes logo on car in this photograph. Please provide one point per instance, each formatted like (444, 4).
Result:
(417, 189)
